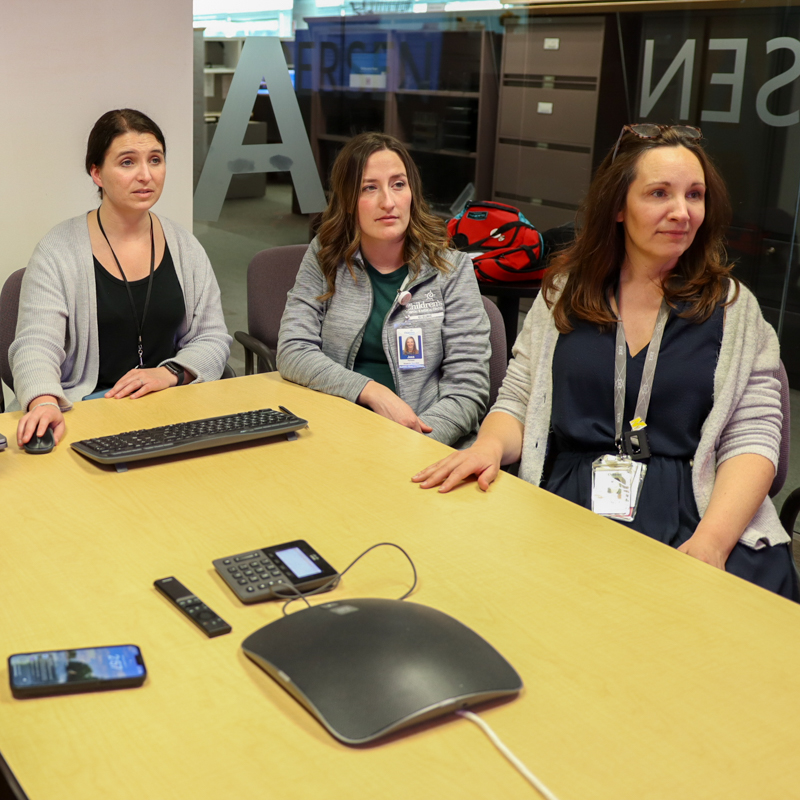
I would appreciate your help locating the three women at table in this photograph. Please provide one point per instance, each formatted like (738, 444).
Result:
(378, 275)
(650, 249)
(118, 302)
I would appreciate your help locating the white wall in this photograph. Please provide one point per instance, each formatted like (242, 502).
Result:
(62, 64)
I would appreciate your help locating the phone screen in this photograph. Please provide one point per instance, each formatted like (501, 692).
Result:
(68, 667)
(298, 562)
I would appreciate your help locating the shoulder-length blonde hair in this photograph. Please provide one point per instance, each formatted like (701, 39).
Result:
(339, 234)
(588, 270)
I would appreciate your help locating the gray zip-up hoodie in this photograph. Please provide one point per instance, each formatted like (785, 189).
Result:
(318, 341)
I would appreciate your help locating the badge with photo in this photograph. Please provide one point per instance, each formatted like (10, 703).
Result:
(410, 352)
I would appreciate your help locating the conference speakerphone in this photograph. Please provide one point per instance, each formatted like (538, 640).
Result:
(186, 437)
(369, 667)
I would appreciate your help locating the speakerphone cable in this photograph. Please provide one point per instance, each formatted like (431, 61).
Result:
(498, 743)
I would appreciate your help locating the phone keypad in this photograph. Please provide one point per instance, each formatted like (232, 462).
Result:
(259, 575)
(263, 570)
(254, 576)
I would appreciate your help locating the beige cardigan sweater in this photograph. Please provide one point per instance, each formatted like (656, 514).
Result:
(745, 418)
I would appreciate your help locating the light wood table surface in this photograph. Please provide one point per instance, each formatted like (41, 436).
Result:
(647, 674)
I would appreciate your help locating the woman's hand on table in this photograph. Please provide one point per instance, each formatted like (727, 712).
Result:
(385, 402)
(138, 382)
(43, 413)
(499, 442)
(482, 459)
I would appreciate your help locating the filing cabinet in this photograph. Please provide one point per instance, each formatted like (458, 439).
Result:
(568, 47)
(560, 107)
(519, 168)
(553, 116)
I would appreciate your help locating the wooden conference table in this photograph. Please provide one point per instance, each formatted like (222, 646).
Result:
(647, 674)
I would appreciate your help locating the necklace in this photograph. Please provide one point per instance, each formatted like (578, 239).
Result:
(139, 324)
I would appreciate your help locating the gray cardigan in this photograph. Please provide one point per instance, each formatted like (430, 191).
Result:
(318, 341)
(56, 350)
(745, 417)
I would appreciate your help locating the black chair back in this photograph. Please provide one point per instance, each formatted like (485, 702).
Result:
(9, 309)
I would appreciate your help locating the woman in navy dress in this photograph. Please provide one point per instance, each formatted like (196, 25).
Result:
(649, 266)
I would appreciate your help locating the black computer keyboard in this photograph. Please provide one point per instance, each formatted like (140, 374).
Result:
(185, 437)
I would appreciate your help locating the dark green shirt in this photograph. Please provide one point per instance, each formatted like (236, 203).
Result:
(371, 359)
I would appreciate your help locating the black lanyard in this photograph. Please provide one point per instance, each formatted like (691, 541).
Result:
(139, 325)
(638, 448)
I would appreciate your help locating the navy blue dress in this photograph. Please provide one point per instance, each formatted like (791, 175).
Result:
(683, 394)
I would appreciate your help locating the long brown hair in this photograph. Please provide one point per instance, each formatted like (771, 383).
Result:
(588, 270)
(339, 234)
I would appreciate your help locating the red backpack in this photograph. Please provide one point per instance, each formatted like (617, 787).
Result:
(503, 245)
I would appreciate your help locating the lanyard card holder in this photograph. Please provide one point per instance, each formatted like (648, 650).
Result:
(616, 486)
(617, 478)
(408, 339)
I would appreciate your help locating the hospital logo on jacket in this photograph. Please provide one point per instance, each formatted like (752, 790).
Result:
(428, 307)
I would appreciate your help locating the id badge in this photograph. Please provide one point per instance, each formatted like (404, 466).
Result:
(410, 351)
(616, 486)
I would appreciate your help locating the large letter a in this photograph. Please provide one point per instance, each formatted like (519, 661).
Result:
(261, 58)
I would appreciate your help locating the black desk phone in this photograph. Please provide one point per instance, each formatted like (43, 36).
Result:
(277, 572)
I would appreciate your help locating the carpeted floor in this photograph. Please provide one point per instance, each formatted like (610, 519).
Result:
(244, 228)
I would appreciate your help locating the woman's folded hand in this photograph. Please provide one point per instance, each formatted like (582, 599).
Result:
(385, 402)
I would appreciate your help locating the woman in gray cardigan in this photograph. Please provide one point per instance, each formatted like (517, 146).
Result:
(117, 302)
(642, 349)
(378, 275)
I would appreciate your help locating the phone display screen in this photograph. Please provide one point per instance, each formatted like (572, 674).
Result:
(298, 562)
(68, 667)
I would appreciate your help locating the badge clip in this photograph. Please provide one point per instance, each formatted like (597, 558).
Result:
(635, 444)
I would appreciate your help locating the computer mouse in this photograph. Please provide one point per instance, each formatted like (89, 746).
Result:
(39, 445)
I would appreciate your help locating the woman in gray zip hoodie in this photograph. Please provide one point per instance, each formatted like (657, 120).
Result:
(379, 272)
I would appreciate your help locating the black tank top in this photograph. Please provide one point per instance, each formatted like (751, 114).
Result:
(117, 329)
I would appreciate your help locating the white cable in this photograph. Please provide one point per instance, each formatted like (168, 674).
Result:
(496, 741)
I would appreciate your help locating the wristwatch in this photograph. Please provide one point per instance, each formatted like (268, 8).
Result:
(177, 370)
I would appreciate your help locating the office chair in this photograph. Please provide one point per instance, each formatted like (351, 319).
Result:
(9, 310)
(498, 361)
(786, 433)
(270, 276)
(9, 306)
(791, 505)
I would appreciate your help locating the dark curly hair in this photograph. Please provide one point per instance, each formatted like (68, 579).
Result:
(588, 270)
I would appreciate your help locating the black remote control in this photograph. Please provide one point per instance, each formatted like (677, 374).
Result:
(192, 606)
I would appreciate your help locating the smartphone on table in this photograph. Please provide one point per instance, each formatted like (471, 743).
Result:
(89, 669)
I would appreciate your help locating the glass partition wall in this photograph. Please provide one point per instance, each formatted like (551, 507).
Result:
(519, 105)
